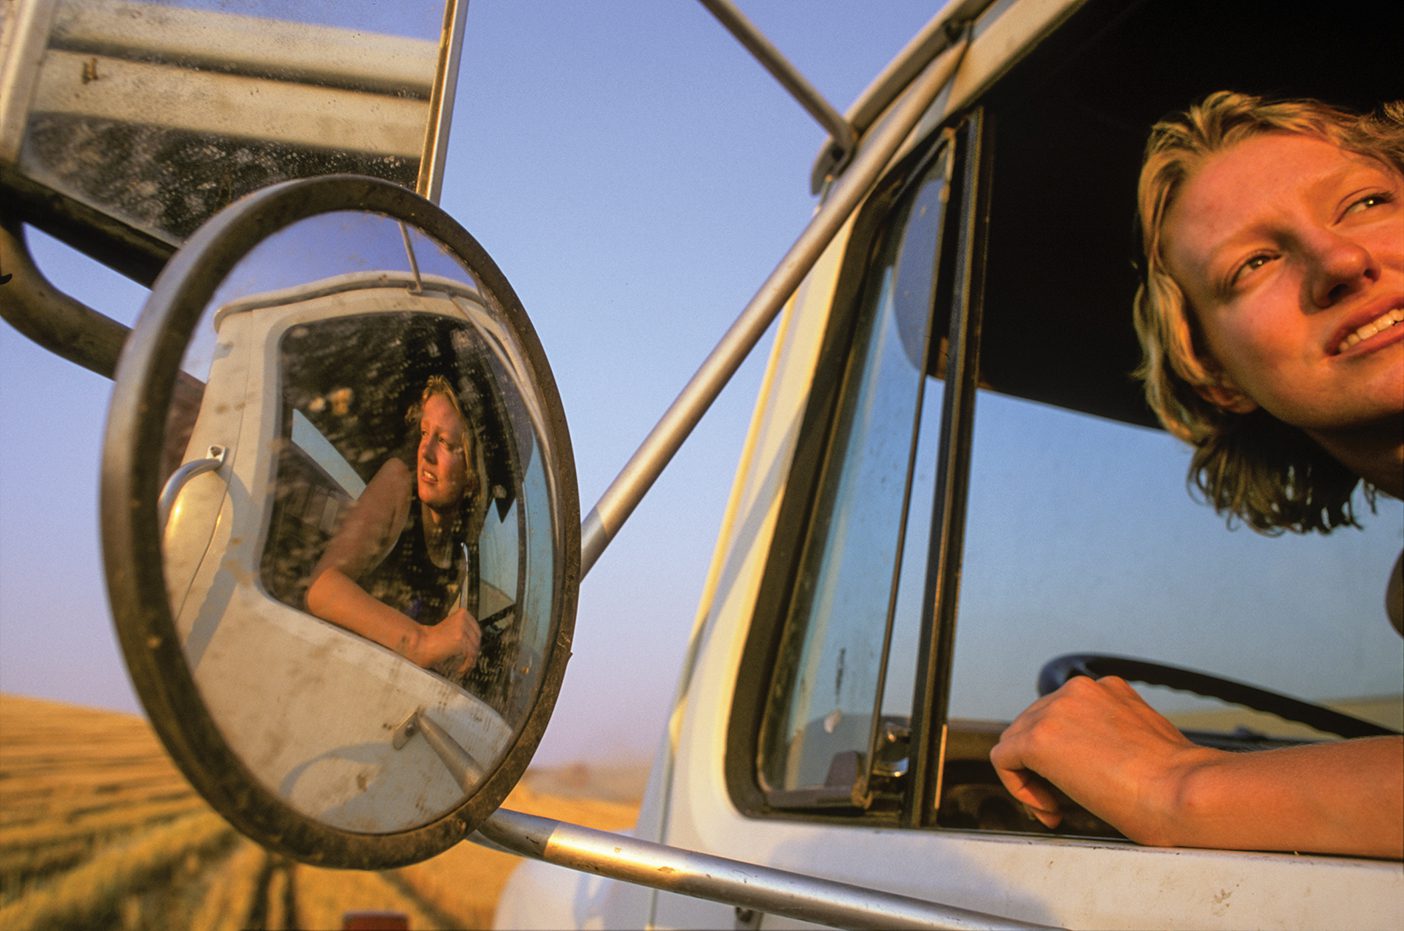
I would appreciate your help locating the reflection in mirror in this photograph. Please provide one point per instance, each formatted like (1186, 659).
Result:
(379, 541)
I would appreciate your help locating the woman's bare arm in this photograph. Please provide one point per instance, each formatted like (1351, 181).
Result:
(371, 527)
(1100, 744)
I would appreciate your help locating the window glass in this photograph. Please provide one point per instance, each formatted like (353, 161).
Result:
(1082, 536)
(317, 447)
(862, 555)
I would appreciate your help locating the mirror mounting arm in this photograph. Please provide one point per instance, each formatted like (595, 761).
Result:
(47, 316)
(603, 522)
(467, 772)
(670, 869)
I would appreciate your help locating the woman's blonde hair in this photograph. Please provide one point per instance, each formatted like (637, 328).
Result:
(1251, 466)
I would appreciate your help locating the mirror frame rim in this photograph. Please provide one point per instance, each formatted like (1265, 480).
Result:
(133, 564)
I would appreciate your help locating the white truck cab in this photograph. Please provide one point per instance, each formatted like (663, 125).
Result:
(951, 482)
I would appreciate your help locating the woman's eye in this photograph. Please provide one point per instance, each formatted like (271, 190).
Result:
(1253, 264)
(1370, 201)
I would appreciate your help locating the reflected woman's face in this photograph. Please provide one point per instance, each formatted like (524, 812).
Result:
(441, 467)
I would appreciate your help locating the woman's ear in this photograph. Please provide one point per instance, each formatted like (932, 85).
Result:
(1225, 395)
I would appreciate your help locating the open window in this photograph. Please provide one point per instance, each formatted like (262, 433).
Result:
(1081, 536)
(925, 572)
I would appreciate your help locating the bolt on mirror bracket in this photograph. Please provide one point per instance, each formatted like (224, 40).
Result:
(293, 331)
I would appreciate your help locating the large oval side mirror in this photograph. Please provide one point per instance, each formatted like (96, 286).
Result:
(340, 522)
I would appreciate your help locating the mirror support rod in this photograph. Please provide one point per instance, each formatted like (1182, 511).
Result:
(719, 879)
(431, 167)
(57, 322)
(467, 772)
(843, 138)
(603, 522)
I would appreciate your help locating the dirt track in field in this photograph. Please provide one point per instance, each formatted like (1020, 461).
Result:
(99, 829)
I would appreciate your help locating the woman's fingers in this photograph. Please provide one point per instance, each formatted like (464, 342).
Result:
(1034, 793)
(1031, 790)
(467, 639)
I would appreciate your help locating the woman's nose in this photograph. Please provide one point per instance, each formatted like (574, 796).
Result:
(1341, 266)
(426, 451)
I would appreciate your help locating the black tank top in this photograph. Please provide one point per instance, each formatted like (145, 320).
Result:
(409, 581)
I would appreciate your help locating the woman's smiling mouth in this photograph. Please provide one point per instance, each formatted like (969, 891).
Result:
(1379, 324)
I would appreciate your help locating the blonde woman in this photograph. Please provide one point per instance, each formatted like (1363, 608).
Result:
(1271, 317)
(394, 570)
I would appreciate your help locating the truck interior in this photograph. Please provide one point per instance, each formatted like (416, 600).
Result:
(1068, 125)
(1061, 136)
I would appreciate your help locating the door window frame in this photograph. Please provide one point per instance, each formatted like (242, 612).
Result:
(958, 286)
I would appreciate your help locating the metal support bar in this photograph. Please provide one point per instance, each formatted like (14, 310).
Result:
(777, 892)
(602, 524)
(431, 166)
(842, 135)
(62, 325)
(467, 772)
(658, 866)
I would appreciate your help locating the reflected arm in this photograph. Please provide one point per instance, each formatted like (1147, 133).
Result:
(373, 524)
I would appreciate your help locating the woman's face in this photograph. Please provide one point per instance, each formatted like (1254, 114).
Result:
(441, 465)
(1290, 251)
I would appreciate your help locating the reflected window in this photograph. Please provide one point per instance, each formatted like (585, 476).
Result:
(353, 407)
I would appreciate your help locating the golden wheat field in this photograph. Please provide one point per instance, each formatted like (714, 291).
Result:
(98, 829)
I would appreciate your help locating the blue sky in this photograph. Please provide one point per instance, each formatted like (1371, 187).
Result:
(636, 175)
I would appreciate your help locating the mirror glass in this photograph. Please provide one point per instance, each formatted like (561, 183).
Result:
(160, 112)
(366, 519)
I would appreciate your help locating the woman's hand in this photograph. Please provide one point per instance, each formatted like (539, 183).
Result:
(1102, 746)
(456, 637)
(1099, 743)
